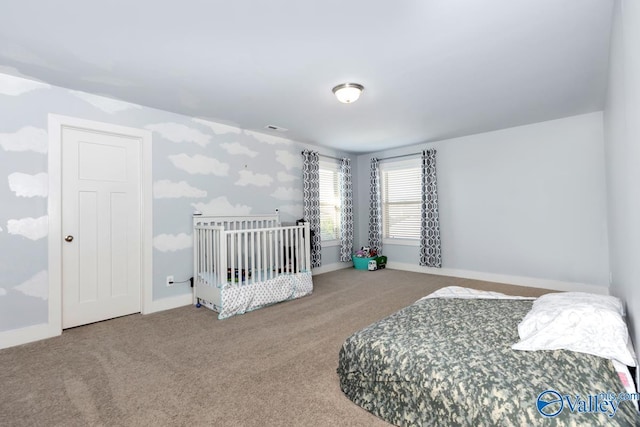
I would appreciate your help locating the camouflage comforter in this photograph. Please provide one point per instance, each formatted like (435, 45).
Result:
(449, 362)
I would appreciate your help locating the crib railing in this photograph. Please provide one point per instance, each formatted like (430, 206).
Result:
(250, 255)
(238, 222)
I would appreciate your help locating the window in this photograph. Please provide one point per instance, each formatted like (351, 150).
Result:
(401, 195)
(329, 201)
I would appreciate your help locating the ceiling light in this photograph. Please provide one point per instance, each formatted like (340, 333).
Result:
(348, 92)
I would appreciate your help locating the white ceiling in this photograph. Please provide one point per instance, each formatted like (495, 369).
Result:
(432, 69)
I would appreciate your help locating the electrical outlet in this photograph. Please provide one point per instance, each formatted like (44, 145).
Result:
(170, 281)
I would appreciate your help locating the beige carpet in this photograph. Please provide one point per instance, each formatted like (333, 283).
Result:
(275, 366)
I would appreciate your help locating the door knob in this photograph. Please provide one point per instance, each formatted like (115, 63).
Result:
(69, 238)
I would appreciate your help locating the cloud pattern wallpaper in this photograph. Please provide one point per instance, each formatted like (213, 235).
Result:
(197, 165)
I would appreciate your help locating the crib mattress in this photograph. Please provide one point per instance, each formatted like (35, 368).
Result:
(449, 362)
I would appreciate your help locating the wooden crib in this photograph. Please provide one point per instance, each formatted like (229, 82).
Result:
(242, 263)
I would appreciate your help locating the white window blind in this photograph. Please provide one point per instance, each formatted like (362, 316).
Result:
(401, 197)
(329, 202)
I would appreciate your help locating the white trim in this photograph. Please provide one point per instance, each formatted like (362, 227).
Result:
(146, 216)
(56, 123)
(55, 223)
(388, 241)
(171, 302)
(332, 267)
(27, 334)
(531, 282)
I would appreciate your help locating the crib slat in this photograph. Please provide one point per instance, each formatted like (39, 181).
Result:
(276, 252)
(271, 264)
(283, 244)
(258, 254)
(290, 249)
(221, 259)
(296, 252)
(298, 236)
(289, 246)
(252, 257)
(215, 256)
(238, 255)
(301, 250)
(246, 258)
(283, 248)
(204, 266)
(210, 251)
(282, 252)
(232, 257)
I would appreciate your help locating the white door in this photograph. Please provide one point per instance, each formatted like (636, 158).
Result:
(101, 225)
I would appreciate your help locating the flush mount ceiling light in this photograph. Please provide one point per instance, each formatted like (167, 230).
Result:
(348, 92)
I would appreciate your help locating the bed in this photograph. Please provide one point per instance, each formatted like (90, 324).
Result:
(448, 360)
(242, 263)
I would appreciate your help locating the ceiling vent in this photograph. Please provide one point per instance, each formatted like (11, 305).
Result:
(276, 128)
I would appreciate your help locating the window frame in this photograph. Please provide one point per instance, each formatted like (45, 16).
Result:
(397, 165)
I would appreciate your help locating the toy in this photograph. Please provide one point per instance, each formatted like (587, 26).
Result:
(366, 252)
(381, 262)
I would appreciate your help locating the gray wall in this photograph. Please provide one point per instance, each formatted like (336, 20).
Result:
(196, 165)
(622, 136)
(526, 201)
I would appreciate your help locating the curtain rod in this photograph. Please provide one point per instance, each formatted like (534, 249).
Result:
(399, 156)
(329, 157)
(379, 159)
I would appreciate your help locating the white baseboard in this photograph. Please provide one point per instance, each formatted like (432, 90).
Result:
(26, 335)
(531, 282)
(332, 267)
(43, 331)
(171, 302)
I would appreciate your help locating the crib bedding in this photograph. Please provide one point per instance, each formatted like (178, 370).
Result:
(449, 362)
(242, 297)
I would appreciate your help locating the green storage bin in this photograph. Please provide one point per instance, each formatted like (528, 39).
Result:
(361, 263)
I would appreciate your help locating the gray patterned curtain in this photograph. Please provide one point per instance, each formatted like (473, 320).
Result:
(430, 254)
(346, 213)
(375, 208)
(311, 192)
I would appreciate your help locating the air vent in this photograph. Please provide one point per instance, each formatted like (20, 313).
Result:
(276, 128)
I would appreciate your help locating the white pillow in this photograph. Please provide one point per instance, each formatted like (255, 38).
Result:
(577, 321)
(459, 292)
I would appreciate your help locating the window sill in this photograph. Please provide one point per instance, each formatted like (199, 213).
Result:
(401, 242)
(327, 243)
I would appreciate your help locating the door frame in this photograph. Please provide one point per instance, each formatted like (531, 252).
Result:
(56, 124)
